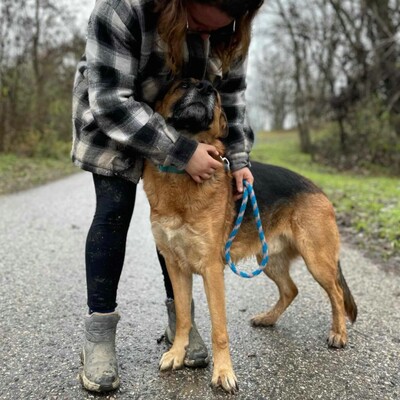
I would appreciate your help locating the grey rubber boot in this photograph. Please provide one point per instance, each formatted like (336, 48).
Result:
(100, 368)
(196, 353)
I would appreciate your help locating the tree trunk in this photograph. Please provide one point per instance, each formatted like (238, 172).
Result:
(300, 72)
(3, 113)
(39, 112)
(304, 134)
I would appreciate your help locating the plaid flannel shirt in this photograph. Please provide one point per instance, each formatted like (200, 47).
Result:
(116, 84)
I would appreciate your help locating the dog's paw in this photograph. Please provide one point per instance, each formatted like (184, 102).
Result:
(337, 340)
(264, 319)
(172, 359)
(225, 378)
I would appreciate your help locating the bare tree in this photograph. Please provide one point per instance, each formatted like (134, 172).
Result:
(344, 56)
(290, 19)
(12, 57)
(276, 87)
(382, 31)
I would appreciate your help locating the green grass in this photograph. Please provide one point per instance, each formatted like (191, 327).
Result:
(19, 173)
(370, 204)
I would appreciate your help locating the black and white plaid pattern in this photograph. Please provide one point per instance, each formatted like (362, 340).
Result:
(116, 85)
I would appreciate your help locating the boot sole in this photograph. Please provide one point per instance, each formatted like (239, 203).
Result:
(198, 363)
(96, 387)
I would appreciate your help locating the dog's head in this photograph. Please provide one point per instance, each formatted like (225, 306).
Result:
(194, 108)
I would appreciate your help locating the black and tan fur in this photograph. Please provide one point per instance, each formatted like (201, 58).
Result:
(191, 223)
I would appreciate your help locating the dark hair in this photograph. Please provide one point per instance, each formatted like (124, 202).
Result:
(172, 29)
(234, 8)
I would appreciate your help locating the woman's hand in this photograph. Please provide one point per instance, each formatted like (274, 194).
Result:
(239, 176)
(202, 165)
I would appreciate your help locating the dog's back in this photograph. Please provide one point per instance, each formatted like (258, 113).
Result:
(275, 185)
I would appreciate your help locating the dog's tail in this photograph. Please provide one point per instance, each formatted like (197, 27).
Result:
(349, 303)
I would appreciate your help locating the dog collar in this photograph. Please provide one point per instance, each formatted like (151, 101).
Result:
(170, 169)
(174, 170)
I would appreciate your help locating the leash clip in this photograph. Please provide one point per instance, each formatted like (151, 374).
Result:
(227, 164)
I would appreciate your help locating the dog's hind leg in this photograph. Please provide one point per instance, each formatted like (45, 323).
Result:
(321, 258)
(325, 273)
(316, 238)
(277, 269)
(182, 287)
(223, 374)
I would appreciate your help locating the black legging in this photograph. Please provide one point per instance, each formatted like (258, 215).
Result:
(106, 242)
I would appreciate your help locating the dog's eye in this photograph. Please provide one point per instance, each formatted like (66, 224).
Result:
(185, 85)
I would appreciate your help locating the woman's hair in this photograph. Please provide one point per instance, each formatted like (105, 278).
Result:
(172, 29)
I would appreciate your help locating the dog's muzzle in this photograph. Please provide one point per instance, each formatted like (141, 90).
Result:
(194, 111)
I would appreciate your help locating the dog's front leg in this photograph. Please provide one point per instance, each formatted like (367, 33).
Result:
(182, 286)
(223, 374)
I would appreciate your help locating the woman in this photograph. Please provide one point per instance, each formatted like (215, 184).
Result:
(134, 48)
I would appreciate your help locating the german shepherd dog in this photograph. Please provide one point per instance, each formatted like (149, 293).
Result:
(191, 223)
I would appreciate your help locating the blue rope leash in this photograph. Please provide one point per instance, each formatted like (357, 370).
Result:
(248, 191)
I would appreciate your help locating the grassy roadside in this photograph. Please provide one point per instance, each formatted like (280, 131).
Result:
(368, 207)
(20, 173)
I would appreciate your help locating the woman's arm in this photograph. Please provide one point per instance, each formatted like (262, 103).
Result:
(113, 53)
(241, 137)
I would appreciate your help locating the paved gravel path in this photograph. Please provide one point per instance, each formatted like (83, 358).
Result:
(42, 304)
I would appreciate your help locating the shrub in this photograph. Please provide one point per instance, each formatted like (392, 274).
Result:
(371, 142)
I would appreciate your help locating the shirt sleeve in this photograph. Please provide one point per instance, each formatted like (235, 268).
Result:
(240, 139)
(113, 54)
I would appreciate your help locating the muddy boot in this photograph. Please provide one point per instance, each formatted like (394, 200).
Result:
(100, 368)
(196, 353)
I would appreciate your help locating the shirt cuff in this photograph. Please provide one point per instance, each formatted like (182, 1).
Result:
(181, 153)
(239, 161)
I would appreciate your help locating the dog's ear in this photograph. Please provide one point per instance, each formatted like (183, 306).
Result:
(223, 125)
(157, 105)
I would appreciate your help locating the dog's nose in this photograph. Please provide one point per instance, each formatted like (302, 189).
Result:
(204, 87)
